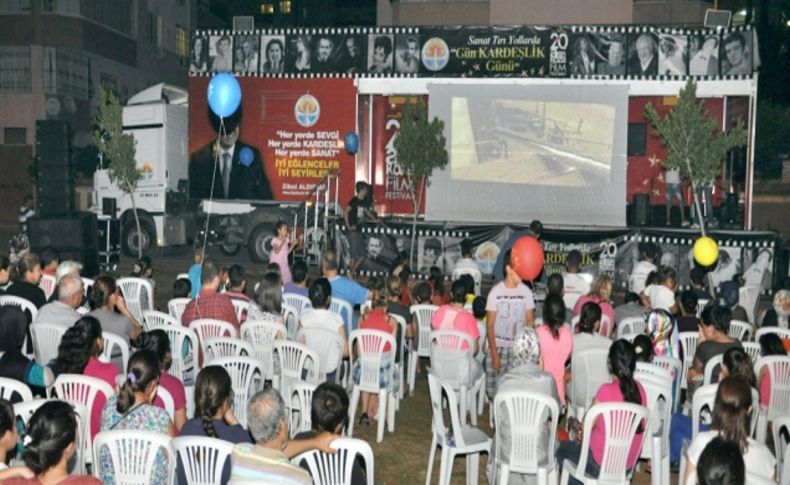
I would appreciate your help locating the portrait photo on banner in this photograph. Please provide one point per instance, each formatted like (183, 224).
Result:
(736, 53)
(299, 53)
(758, 264)
(198, 55)
(273, 49)
(704, 54)
(220, 53)
(245, 53)
(672, 54)
(407, 53)
(611, 53)
(351, 58)
(380, 53)
(642, 54)
(326, 51)
(584, 55)
(430, 251)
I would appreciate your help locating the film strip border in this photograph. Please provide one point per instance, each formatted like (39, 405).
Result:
(723, 242)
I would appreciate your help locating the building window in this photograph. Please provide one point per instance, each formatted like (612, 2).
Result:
(15, 136)
(182, 44)
(69, 73)
(285, 6)
(15, 69)
(267, 8)
(15, 6)
(109, 83)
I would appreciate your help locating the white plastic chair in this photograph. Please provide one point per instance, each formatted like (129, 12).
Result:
(335, 469)
(301, 405)
(241, 307)
(189, 393)
(8, 387)
(344, 309)
(703, 401)
(423, 315)
(138, 294)
(167, 400)
(527, 413)
(710, 366)
(365, 307)
(621, 422)
(262, 336)
(82, 389)
(329, 347)
(753, 350)
(476, 275)
(688, 343)
(202, 458)
(21, 303)
(643, 368)
(87, 283)
(368, 345)
(574, 324)
(111, 342)
(133, 454)
(783, 333)
(243, 371)
(675, 367)
(701, 304)
(781, 427)
(740, 330)
(402, 364)
(779, 400)
(588, 374)
(176, 306)
(290, 319)
(605, 329)
(46, 339)
(636, 325)
(206, 328)
(48, 285)
(747, 298)
(181, 338)
(658, 391)
(219, 347)
(450, 362)
(294, 361)
(153, 318)
(297, 302)
(469, 440)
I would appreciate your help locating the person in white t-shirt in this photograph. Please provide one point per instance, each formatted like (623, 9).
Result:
(576, 283)
(636, 281)
(466, 262)
(732, 421)
(662, 295)
(320, 316)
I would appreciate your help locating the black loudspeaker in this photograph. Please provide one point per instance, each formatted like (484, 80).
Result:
(730, 212)
(641, 209)
(109, 235)
(75, 233)
(52, 136)
(637, 139)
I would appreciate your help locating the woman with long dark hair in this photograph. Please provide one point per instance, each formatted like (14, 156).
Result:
(105, 298)
(556, 343)
(623, 388)
(158, 342)
(732, 421)
(131, 409)
(269, 297)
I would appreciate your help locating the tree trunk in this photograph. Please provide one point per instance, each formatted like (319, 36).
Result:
(417, 201)
(130, 191)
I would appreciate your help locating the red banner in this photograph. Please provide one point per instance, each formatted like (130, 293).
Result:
(297, 125)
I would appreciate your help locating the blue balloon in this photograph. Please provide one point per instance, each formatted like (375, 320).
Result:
(351, 142)
(224, 94)
(246, 156)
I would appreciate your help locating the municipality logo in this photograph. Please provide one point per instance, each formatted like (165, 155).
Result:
(307, 110)
(435, 54)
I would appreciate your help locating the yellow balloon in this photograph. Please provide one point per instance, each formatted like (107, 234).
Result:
(706, 251)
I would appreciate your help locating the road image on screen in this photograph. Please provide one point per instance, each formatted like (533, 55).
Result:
(534, 142)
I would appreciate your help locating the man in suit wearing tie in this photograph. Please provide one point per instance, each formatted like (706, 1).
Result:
(232, 179)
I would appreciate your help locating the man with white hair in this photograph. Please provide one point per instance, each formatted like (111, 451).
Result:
(67, 267)
(268, 460)
(63, 310)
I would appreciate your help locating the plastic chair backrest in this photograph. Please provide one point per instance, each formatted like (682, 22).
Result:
(262, 334)
(365, 307)
(711, 365)
(440, 428)
(643, 368)
(781, 428)
(48, 284)
(753, 350)
(703, 399)
(449, 360)
(344, 309)
(783, 333)
(779, 375)
(202, 458)
(527, 413)
(241, 307)
(605, 328)
(675, 367)
(658, 391)
(621, 421)
(369, 346)
(423, 314)
(402, 333)
(291, 320)
(9, 387)
(82, 389)
(301, 405)
(296, 301)
(176, 306)
(46, 339)
(688, 343)
(747, 298)
(574, 324)
(242, 371)
(328, 345)
(21, 303)
(138, 294)
(111, 341)
(133, 455)
(167, 400)
(295, 360)
(336, 469)
(701, 304)
(206, 328)
(586, 369)
(182, 366)
(153, 318)
(635, 325)
(740, 330)
(219, 347)
(477, 276)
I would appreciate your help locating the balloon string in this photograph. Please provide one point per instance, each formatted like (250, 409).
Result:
(220, 134)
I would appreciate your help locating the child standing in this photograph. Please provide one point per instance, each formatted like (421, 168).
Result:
(281, 246)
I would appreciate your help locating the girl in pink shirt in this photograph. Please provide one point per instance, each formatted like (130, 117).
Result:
(599, 293)
(158, 342)
(281, 246)
(556, 343)
(454, 317)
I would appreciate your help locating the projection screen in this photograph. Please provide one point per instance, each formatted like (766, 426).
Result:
(555, 153)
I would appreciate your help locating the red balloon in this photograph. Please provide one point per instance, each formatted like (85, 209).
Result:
(526, 258)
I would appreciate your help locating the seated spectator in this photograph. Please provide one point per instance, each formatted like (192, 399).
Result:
(78, 353)
(632, 307)
(268, 460)
(637, 281)
(423, 293)
(405, 293)
(555, 285)
(237, 284)
(576, 284)
(182, 288)
(454, 317)
(395, 307)
(131, 409)
(479, 312)
(14, 364)
(68, 267)
(713, 341)
(299, 284)
(688, 321)
(158, 342)
(770, 344)
(588, 336)
(8, 433)
(697, 282)
(377, 319)
(343, 287)
(320, 317)
(663, 333)
(49, 261)
(730, 294)
(329, 413)
(195, 272)
(105, 298)
(26, 274)
(623, 388)
(467, 262)
(643, 347)
(143, 269)
(661, 294)
(51, 442)
(214, 416)
(469, 285)
(439, 295)
(600, 292)
(209, 303)
(524, 373)
(732, 421)
(721, 463)
(269, 298)
(63, 311)
(556, 342)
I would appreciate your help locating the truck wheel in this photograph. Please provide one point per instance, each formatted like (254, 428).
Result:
(130, 238)
(229, 249)
(260, 244)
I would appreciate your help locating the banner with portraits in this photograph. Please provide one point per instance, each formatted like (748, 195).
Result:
(479, 51)
(749, 257)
